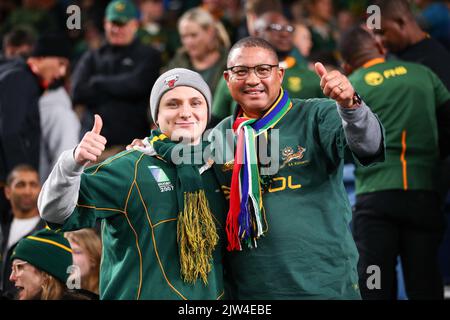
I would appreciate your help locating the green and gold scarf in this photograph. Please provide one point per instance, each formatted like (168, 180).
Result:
(196, 231)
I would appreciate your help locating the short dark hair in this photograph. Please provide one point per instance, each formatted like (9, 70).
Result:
(19, 168)
(353, 43)
(18, 37)
(394, 9)
(253, 42)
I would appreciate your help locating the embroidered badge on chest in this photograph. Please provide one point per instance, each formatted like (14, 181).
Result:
(161, 178)
(290, 157)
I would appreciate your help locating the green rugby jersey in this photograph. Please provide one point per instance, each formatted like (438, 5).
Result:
(308, 251)
(299, 81)
(134, 196)
(405, 96)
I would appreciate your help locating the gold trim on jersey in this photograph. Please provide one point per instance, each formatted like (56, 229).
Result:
(111, 160)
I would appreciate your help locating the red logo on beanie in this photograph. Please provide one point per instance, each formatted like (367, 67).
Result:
(170, 82)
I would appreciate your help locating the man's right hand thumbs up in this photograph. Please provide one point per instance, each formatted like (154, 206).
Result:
(92, 145)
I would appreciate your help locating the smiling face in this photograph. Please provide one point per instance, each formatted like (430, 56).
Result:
(183, 114)
(253, 94)
(27, 279)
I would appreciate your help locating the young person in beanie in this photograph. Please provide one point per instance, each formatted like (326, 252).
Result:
(21, 85)
(40, 266)
(162, 218)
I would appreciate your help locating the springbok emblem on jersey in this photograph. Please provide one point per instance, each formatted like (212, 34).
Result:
(288, 155)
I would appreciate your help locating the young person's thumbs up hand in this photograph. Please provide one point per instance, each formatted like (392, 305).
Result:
(92, 145)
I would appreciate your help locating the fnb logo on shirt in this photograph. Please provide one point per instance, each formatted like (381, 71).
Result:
(375, 78)
(161, 178)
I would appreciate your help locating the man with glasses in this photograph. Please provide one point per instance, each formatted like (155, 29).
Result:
(287, 229)
(299, 81)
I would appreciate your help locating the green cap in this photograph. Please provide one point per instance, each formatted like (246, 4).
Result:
(46, 250)
(121, 11)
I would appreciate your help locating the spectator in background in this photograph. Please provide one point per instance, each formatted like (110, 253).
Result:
(398, 206)
(18, 43)
(205, 44)
(219, 9)
(21, 190)
(320, 16)
(115, 80)
(40, 268)
(302, 39)
(435, 19)
(151, 209)
(156, 31)
(402, 35)
(86, 252)
(21, 85)
(60, 127)
(299, 81)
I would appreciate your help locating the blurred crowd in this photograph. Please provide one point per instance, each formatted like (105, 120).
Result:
(108, 67)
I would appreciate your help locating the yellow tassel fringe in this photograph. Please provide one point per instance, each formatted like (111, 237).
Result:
(197, 237)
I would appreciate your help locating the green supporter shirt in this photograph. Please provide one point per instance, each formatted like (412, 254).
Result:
(405, 96)
(308, 251)
(299, 82)
(133, 195)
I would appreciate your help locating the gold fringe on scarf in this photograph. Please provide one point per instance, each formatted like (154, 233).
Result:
(197, 237)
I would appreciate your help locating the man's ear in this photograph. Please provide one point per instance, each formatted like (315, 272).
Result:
(281, 72)
(7, 192)
(226, 76)
(135, 24)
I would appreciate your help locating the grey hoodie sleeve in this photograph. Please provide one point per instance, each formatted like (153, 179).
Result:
(59, 193)
(362, 130)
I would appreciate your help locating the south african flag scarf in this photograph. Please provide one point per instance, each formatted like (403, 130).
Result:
(244, 220)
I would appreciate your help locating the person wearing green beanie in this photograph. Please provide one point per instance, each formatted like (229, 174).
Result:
(40, 266)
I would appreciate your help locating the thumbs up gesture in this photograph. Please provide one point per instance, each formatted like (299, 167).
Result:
(92, 145)
(335, 86)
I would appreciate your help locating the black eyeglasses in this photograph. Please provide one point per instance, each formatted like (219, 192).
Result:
(262, 71)
(278, 27)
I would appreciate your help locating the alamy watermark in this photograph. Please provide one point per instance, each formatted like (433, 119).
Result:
(73, 22)
(374, 17)
(74, 280)
(222, 150)
(374, 280)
